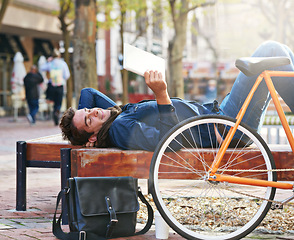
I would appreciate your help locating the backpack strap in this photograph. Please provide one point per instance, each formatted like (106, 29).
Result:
(60, 234)
(150, 213)
(113, 219)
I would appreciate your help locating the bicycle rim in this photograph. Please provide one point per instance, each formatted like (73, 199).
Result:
(200, 209)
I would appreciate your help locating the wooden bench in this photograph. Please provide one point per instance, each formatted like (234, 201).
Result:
(114, 162)
(40, 153)
(52, 152)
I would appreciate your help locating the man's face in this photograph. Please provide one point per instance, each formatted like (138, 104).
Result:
(90, 120)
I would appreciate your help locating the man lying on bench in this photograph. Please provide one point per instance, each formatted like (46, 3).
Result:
(100, 122)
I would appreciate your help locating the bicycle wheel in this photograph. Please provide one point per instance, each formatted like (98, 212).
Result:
(196, 207)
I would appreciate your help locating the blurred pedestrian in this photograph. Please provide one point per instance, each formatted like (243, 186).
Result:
(31, 83)
(58, 72)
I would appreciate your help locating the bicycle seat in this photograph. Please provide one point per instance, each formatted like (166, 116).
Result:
(251, 66)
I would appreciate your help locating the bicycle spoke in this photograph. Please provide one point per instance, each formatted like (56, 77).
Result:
(184, 193)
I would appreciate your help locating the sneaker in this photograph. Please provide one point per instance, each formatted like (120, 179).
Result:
(30, 119)
(56, 118)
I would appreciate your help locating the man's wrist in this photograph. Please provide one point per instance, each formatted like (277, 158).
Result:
(163, 98)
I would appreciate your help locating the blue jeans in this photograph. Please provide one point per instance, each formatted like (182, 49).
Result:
(34, 108)
(232, 103)
(255, 113)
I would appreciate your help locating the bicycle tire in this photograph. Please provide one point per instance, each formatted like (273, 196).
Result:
(200, 209)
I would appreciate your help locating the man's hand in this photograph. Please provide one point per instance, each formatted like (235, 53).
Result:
(158, 85)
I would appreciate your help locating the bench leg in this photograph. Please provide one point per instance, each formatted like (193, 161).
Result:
(21, 176)
(65, 161)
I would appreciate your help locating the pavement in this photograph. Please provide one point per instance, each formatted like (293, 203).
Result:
(43, 186)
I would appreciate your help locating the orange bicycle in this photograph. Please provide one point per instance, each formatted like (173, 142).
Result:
(225, 191)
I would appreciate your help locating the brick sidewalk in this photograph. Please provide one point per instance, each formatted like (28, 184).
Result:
(43, 186)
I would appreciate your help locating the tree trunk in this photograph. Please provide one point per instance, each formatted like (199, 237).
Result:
(84, 56)
(69, 85)
(176, 48)
(124, 73)
(4, 5)
(65, 7)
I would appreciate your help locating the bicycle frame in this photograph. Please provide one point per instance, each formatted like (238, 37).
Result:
(266, 75)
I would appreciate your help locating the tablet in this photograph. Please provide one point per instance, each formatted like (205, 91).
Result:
(138, 61)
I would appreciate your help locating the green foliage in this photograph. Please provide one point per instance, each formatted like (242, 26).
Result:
(68, 6)
(107, 6)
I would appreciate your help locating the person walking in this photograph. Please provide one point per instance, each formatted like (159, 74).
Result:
(58, 75)
(31, 83)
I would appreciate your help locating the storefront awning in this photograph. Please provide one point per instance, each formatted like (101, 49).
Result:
(43, 47)
(10, 45)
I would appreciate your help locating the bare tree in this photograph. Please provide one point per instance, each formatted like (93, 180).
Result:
(279, 14)
(125, 7)
(210, 44)
(123, 10)
(65, 16)
(179, 12)
(140, 8)
(84, 56)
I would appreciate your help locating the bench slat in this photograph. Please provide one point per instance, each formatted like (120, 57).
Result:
(42, 151)
(111, 162)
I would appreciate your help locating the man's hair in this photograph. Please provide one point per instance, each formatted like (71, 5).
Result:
(70, 131)
(80, 137)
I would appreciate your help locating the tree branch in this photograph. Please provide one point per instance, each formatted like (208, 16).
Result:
(205, 4)
(265, 13)
(173, 10)
(3, 10)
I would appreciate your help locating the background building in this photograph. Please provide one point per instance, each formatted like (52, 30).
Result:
(216, 36)
(28, 27)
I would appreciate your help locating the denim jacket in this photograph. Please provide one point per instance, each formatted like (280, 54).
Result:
(142, 125)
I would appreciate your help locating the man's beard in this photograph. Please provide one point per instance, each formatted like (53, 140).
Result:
(102, 136)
